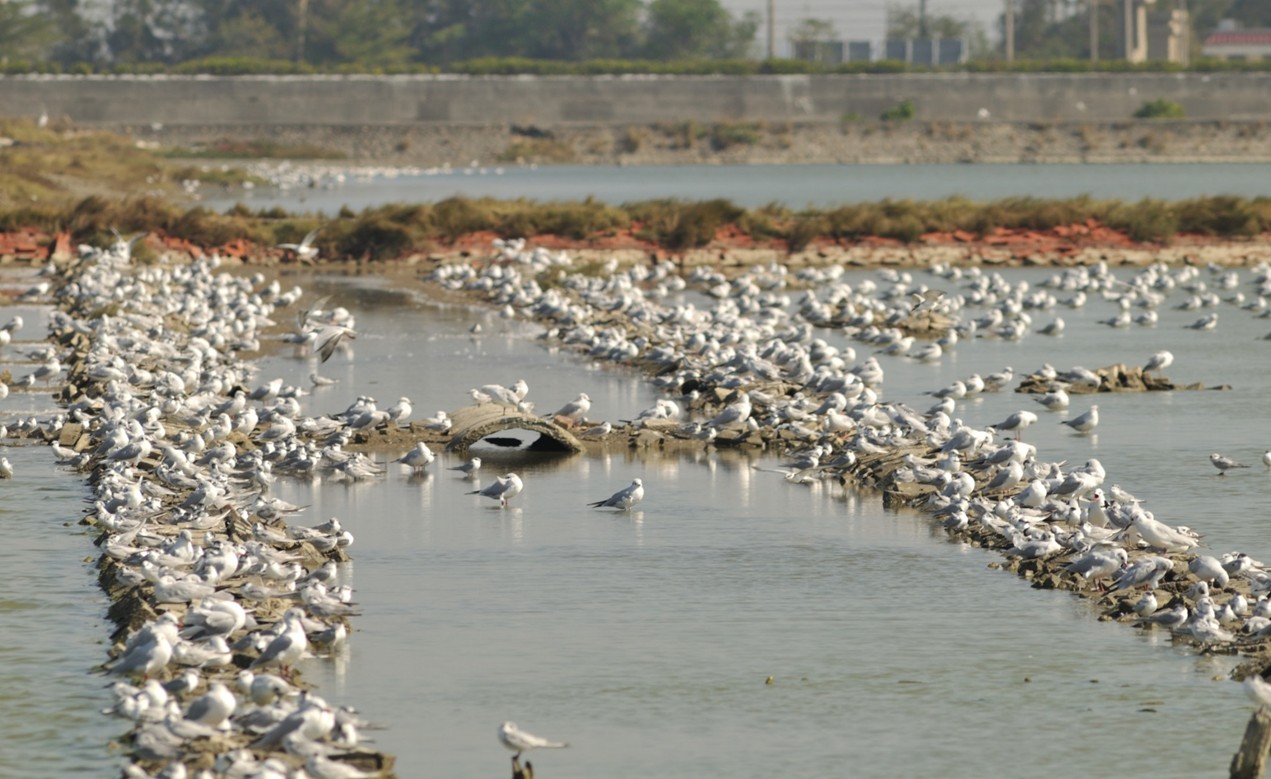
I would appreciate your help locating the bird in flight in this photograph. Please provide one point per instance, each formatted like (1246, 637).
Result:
(305, 250)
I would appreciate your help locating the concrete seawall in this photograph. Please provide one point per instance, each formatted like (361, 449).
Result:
(655, 120)
(117, 101)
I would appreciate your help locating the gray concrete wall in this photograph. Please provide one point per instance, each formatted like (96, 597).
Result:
(637, 100)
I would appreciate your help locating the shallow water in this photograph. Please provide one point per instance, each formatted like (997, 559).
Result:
(645, 638)
(52, 628)
(797, 186)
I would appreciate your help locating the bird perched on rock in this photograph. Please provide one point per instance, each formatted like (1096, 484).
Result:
(734, 414)
(1158, 362)
(1144, 572)
(400, 411)
(624, 498)
(502, 489)
(519, 741)
(214, 708)
(574, 411)
(1224, 463)
(287, 647)
(1055, 400)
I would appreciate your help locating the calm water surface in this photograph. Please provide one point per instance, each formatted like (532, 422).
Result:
(52, 614)
(645, 638)
(794, 185)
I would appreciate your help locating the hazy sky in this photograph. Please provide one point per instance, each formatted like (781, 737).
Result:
(859, 19)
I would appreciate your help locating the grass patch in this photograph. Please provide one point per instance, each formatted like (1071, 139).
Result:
(253, 149)
(725, 135)
(60, 165)
(537, 150)
(397, 230)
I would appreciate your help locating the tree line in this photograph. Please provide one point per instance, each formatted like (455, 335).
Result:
(404, 35)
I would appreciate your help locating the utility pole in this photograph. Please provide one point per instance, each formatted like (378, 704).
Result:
(772, 29)
(922, 19)
(1128, 41)
(1010, 30)
(1094, 30)
(302, 19)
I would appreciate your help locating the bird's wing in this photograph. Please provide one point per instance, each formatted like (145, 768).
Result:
(302, 317)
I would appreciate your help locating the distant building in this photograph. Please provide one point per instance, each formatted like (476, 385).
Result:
(822, 52)
(1238, 45)
(860, 51)
(927, 51)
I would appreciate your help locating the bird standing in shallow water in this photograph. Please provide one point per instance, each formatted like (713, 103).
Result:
(1224, 464)
(418, 458)
(468, 469)
(1085, 422)
(502, 489)
(624, 498)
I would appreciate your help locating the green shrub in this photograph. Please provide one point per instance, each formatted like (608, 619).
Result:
(1147, 220)
(1160, 108)
(901, 112)
(1223, 215)
(805, 229)
(725, 135)
(377, 237)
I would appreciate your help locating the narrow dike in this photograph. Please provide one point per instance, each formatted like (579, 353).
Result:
(215, 597)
